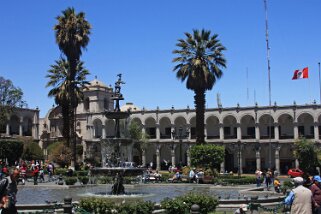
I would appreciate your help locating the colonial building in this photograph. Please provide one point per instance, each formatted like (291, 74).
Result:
(22, 122)
(253, 137)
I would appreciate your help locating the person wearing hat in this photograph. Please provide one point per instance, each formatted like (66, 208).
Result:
(241, 210)
(300, 198)
(316, 194)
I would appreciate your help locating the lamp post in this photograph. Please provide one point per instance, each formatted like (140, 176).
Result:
(239, 145)
(180, 136)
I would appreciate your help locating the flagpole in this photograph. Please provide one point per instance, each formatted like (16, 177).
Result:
(269, 77)
(319, 81)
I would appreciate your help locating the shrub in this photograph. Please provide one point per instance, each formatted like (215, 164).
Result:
(105, 206)
(97, 205)
(145, 207)
(71, 180)
(82, 173)
(234, 180)
(61, 171)
(182, 204)
(83, 179)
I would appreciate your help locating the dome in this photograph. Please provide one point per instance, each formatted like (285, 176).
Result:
(129, 106)
(96, 82)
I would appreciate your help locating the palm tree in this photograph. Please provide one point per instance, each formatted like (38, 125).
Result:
(199, 63)
(72, 36)
(58, 80)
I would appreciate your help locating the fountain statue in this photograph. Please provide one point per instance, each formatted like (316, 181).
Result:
(114, 150)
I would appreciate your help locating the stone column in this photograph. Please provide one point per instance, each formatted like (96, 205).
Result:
(103, 131)
(158, 164)
(222, 167)
(277, 158)
(157, 132)
(257, 131)
(7, 129)
(316, 131)
(296, 131)
(276, 131)
(20, 127)
(241, 162)
(173, 155)
(143, 157)
(258, 157)
(221, 131)
(188, 156)
(239, 133)
(205, 131)
(297, 163)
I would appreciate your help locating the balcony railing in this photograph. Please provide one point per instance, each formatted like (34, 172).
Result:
(248, 136)
(230, 137)
(266, 137)
(286, 137)
(164, 136)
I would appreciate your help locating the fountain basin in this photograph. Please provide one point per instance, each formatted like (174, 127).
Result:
(112, 171)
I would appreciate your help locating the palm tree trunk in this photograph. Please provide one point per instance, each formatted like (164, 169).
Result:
(73, 105)
(199, 98)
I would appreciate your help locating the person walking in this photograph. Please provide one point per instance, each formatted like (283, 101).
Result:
(316, 194)
(8, 192)
(300, 198)
(258, 174)
(268, 179)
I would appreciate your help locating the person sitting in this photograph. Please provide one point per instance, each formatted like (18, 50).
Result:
(192, 176)
(277, 185)
(157, 176)
(176, 177)
(241, 210)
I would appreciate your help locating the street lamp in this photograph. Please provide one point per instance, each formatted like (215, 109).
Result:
(180, 136)
(239, 145)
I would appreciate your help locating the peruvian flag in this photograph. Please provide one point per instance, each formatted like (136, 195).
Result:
(301, 74)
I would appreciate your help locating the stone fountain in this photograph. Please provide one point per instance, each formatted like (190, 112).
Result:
(112, 160)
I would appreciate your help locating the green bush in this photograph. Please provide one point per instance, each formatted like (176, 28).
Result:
(104, 180)
(105, 206)
(61, 171)
(11, 149)
(83, 179)
(70, 180)
(97, 205)
(234, 180)
(145, 207)
(182, 204)
(82, 173)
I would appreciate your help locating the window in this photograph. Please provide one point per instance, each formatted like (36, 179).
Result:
(151, 132)
(227, 131)
(106, 103)
(301, 131)
(251, 131)
(272, 131)
(86, 103)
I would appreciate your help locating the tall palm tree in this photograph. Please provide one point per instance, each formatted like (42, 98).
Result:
(58, 80)
(200, 62)
(72, 36)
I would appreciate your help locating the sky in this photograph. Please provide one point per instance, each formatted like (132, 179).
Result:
(136, 38)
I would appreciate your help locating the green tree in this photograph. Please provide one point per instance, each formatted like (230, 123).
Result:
(10, 98)
(58, 80)
(209, 156)
(59, 153)
(136, 134)
(199, 63)
(11, 149)
(32, 151)
(307, 153)
(72, 36)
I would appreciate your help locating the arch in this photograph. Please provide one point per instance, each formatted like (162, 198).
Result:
(14, 125)
(165, 156)
(27, 126)
(266, 123)
(165, 128)
(150, 127)
(286, 127)
(110, 128)
(306, 125)
(97, 128)
(230, 127)
(213, 127)
(248, 127)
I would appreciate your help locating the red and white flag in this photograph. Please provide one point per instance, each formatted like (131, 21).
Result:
(301, 74)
